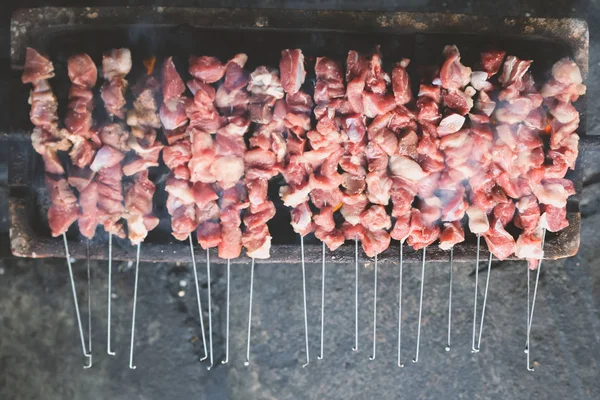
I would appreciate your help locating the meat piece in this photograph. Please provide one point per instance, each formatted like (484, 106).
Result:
(504, 212)
(116, 136)
(452, 233)
(554, 192)
(257, 243)
(454, 205)
(479, 81)
(260, 215)
(478, 221)
(500, 242)
(458, 101)
(453, 74)
(138, 203)
(88, 220)
(296, 195)
(420, 234)
(209, 234)
(513, 72)
(553, 218)
(37, 67)
(375, 218)
(491, 61)
(227, 170)
(324, 219)
(116, 64)
(207, 69)
(106, 157)
(529, 245)
(406, 167)
(450, 124)
(528, 213)
(375, 242)
(302, 219)
(291, 69)
(401, 227)
(64, 209)
(80, 178)
(82, 70)
(401, 83)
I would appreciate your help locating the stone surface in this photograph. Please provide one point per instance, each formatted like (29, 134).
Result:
(40, 355)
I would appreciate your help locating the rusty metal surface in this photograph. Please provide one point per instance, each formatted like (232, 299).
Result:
(183, 31)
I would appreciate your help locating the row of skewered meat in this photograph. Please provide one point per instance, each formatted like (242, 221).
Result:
(363, 157)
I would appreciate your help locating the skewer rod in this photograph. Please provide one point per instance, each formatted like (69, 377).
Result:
(198, 300)
(78, 315)
(135, 287)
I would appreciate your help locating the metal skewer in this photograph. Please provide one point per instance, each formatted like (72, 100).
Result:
(108, 345)
(304, 294)
(485, 295)
(209, 309)
(320, 357)
(200, 316)
(416, 359)
(89, 291)
(355, 347)
(450, 298)
(226, 360)
(372, 357)
(68, 257)
(530, 316)
(400, 364)
(473, 348)
(247, 362)
(135, 287)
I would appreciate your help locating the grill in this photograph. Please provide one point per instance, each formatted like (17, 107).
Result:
(180, 32)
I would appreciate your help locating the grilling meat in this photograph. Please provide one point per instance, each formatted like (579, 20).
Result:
(484, 147)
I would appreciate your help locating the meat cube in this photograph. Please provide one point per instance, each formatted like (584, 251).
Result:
(375, 242)
(37, 67)
(291, 69)
(401, 227)
(375, 218)
(401, 83)
(453, 74)
(333, 239)
(500, 242)
(302, 219)
(206, 69)
(324, 219)
(452, 233)
(209, 234)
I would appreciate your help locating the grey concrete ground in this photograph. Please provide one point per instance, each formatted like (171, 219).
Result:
(40, 354)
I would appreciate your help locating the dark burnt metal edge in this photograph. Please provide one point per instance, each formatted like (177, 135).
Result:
(26, 23)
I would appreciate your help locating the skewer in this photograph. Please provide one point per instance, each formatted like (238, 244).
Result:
(89, 287)
(135, 287)
(304, 294)
(473, 349)
(198, 298)
(320, 357)
(247, 362)
(372, 357)
(487, 284)
(450, 298)
(108, 345)
(226, 360)
(209, 309)
(400, 363)
(416, 359)
(355, 347)
(87, 355)
(530, 316)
